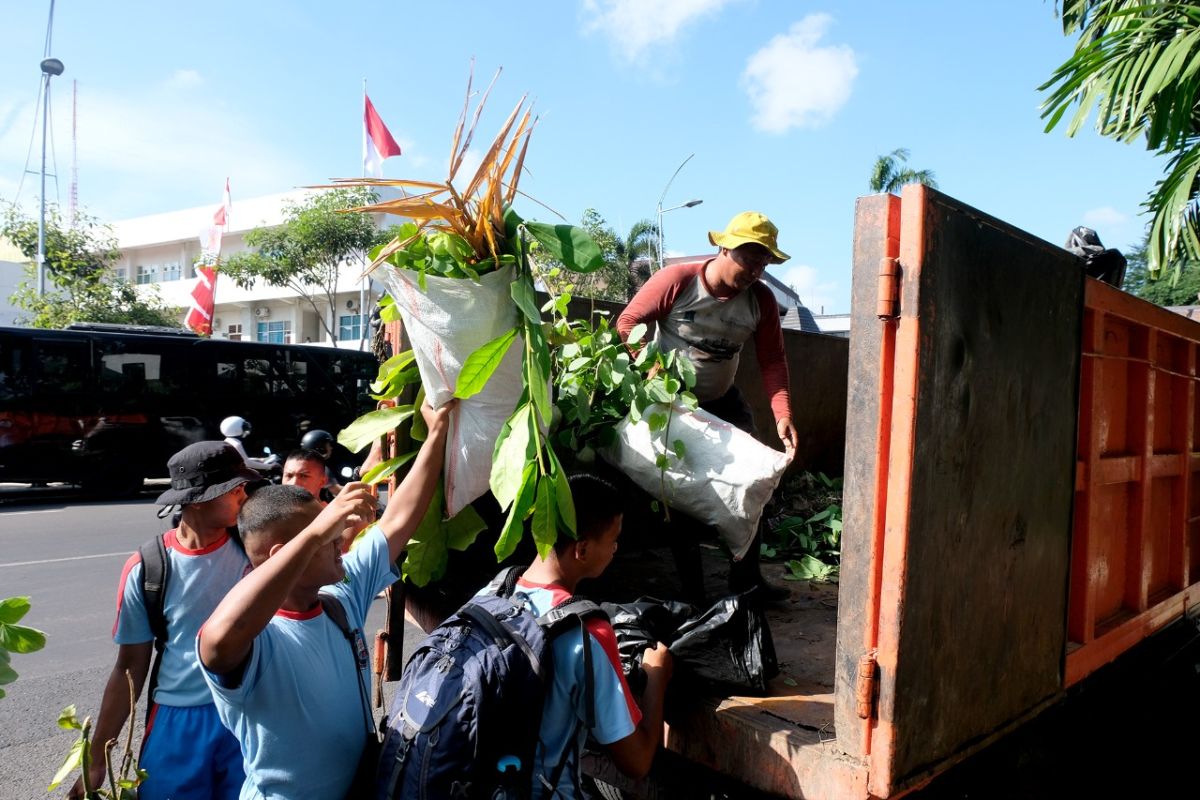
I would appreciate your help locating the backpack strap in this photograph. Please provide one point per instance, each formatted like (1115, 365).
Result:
(556, 621)
(505, 583)
(336, 612)
(503, 635)
(156, 571)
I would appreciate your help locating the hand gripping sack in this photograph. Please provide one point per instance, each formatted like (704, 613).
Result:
(464, 721)
(724, 478)
(446, 323)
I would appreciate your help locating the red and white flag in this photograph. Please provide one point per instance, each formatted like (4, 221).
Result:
(210, 237)
(200, 315)
(378, 143)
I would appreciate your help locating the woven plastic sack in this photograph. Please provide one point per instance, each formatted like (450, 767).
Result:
(445, 324)
(724, 478)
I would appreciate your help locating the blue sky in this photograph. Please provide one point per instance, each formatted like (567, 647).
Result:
(785, 105)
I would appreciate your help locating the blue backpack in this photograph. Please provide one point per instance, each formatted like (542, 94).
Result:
(464, 721)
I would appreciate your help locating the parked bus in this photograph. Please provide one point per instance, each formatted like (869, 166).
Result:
(105, 406)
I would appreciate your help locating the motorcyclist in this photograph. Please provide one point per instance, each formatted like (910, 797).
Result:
(235, 429)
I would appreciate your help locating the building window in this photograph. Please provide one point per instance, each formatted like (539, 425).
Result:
(147, 274)
(234, 332)
(172, 272)
(350, 326)
(275, 332)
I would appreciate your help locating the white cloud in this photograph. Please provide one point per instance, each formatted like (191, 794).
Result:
(635, 27)
(1105, 216)
(185, 79)
(814, 292)
(139, 147)
(794, 82)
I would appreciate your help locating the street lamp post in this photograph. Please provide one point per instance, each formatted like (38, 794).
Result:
(661, 210)
(50, 68)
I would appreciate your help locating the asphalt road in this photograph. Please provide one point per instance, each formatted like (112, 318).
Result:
(66, 555)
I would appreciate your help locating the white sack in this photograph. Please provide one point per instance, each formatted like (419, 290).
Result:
(445, 324)
(724, 479)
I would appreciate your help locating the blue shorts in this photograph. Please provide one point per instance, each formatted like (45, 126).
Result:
(189, 755)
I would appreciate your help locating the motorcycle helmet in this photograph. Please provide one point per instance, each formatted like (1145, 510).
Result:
(235, 427)
(319, 440)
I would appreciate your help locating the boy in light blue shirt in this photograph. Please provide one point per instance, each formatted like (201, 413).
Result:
(282, 673)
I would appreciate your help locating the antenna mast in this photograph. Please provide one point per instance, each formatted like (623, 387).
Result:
(74, 198)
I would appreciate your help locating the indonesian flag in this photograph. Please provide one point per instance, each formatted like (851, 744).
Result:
(378, 143)
(200, 315)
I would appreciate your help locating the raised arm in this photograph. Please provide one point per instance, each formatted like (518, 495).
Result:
(406, 509)
(227, 636)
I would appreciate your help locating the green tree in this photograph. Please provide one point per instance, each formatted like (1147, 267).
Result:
(640, 253)
(80, 284)
(1178, 289)
(890, 173)
(1135, 65)
(308, 251)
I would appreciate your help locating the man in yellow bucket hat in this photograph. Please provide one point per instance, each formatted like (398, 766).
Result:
(709, 310)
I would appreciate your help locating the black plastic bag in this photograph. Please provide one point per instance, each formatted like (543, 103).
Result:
(728, 647)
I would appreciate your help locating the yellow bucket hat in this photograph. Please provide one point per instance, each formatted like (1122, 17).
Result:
(750, 227)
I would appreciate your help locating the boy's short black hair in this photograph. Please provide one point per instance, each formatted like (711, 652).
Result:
(305, 454)
(597, 504)
(269, 505)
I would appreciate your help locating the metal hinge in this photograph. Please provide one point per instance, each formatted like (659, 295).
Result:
(887, 305)
(865, 685)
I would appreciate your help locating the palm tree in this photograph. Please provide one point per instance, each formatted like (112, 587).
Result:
(639, 252)
(1134, 66)
(889, 173)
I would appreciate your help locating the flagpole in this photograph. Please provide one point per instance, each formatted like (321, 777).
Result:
(362, 328)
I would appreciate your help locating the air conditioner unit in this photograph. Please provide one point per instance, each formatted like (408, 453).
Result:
(262, 311)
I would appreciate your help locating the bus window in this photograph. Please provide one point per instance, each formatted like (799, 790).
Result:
(256, 376)
(298, 370)
(62, 367)
(14, 375)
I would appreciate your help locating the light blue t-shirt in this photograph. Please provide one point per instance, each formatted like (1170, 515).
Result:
(198, 581)
(298, 712)
(562, 735)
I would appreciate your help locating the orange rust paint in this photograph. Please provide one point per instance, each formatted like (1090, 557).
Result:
(864, 688)
(1135, 564)
(887, 306)
(892, 594)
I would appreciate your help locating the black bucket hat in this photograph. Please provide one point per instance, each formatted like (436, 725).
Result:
(204, 471)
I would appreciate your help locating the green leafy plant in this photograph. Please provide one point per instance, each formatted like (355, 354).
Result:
(123, 781)
(465, 234)
(599, 384)
(807, 532)
(15, 638)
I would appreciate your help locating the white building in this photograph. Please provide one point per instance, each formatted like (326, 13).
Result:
(160, 250)
(12, 271)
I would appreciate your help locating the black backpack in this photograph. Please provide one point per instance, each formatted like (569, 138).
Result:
(464, 721)
(156, 571)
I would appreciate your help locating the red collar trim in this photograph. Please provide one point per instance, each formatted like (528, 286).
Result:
(557, 592)
(312, 613)
(171, 540)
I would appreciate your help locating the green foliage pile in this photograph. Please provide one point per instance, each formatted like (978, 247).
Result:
(805, 528)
